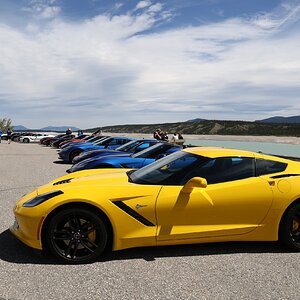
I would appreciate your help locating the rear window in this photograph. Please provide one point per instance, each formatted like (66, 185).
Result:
(264, 166)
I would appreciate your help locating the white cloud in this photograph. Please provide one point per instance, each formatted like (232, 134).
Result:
(143, 4)
(50, 12)
(104, 71)
(155, 8)
(43, 9)
(118, 5)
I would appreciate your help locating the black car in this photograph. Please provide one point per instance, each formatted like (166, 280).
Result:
(55, 143)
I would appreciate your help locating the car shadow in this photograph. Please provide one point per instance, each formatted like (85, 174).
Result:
(12, 250)
(61, 162)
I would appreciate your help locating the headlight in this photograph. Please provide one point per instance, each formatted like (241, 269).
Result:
(41, 198)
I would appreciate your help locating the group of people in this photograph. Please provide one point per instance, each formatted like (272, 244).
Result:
(176, 138)
(8, 135)
(160, 135)
(69, 131)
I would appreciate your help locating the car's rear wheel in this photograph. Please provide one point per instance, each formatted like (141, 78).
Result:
(289, 231)
(76, 236)
(26, 140)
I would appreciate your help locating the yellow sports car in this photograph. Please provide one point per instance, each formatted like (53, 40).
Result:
(197, 195)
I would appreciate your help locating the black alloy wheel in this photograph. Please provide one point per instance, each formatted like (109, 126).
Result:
(289, 232)
(76, 236)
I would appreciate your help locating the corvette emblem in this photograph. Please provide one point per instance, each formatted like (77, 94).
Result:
(139, 206)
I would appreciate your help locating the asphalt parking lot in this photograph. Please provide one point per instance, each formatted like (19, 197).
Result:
(206, 271)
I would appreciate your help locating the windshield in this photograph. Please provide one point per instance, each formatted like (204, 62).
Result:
(103, 141)
(86, 138)
(127, 146)
(151, 151)
(170, 170)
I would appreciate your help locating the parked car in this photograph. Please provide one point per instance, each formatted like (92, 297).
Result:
(131, 147)
(127, 160)
(35, 138)
(67, 154)
(16, 135)
(81, 138)
(46, 140)
(55, 143)
(197, 195)
(88, 139)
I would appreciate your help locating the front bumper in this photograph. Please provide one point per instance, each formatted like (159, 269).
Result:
(27, 224)
(25, 236)
(63, 155)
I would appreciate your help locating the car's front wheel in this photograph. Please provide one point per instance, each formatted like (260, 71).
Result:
(74, 154)
(26, 140)
(289, 231)
(76, 236)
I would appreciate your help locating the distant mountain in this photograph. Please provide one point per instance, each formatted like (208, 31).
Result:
(48, 128)
(282, 120)
(59, 128)
(196, 120)
(20, 127)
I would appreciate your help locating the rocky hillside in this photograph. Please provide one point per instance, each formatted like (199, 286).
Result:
(211, 127)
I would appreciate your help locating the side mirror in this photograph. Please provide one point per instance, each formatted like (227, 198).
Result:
(193, 183)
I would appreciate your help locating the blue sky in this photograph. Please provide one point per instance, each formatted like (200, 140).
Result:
(100, 62)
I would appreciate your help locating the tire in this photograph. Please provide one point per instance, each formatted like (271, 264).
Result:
(74, 154)
(76, 236)
(289, 231)
(26, 140)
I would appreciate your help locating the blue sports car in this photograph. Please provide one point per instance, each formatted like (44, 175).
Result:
(67, 154)
(131, 147)
(134, 161)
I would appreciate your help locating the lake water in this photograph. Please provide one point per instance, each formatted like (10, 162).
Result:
(268, 148)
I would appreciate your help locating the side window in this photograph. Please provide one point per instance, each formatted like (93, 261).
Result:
(224, 169)
(114, 142)
(264, 167)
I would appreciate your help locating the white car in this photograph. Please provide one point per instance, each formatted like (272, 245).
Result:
(35, 138)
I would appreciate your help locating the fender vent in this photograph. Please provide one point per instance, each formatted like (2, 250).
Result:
(63, 181)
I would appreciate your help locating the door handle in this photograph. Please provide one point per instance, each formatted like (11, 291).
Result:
(271, 182)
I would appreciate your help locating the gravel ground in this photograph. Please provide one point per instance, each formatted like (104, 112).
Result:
(207, 271)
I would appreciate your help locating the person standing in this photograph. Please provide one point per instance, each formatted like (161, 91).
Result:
(1, 135)
(157, 134)
(9, 133)
(174, 138)
(69, 131)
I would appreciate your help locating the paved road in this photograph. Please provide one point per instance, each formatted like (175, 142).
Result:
(211, 271)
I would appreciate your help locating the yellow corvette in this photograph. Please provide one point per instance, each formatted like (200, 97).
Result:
(197, 195)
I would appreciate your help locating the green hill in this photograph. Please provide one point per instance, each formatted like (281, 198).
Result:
(210, 127)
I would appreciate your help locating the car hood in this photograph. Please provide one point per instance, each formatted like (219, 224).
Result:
(100, 157)
(83, 184)
(87, 154)
(107, 177)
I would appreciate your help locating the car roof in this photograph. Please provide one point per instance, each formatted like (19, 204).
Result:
(214, 152)
(218, 152)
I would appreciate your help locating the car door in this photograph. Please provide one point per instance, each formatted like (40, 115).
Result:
(234, 202)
